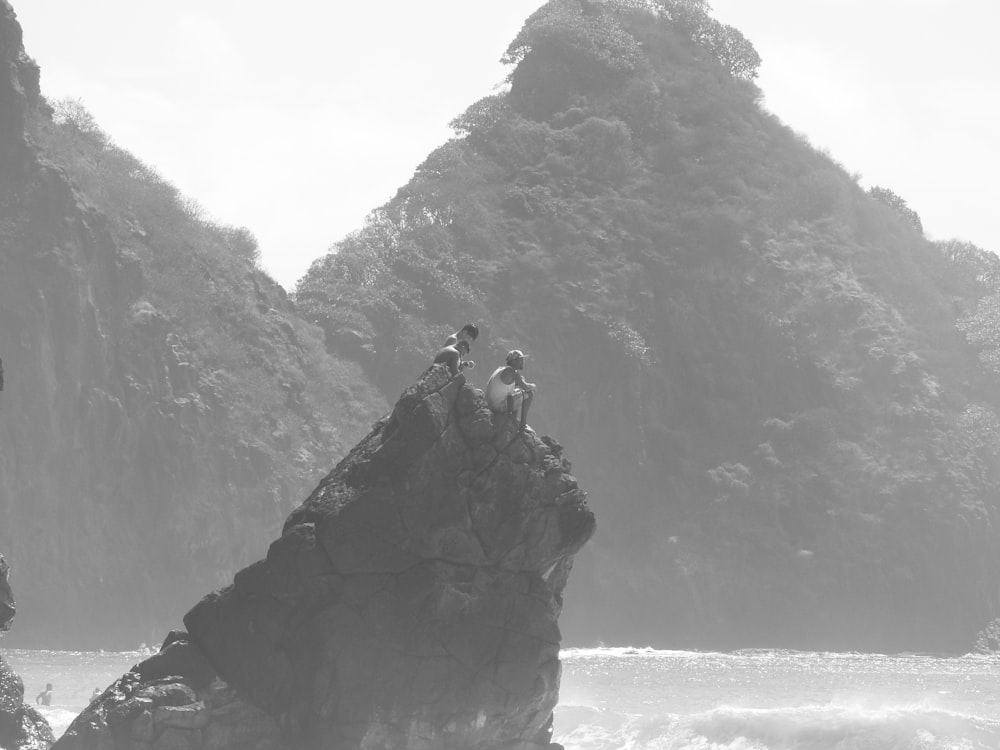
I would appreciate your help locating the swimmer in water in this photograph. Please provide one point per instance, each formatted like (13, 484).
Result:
(44, 698)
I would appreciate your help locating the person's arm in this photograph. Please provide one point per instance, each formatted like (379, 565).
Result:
(521, 383)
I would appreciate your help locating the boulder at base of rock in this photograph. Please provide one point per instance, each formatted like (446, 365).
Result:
(172, 701)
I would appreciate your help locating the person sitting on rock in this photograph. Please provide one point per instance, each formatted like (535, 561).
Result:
(44, 698)
(452, 356)
(467, 333)
(508, 392)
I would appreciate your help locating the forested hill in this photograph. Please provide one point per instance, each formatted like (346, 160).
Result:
(778, 392)
(164, 406)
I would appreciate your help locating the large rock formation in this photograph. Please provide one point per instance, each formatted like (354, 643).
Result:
(7, 606)
(411, 602)
(22, 727)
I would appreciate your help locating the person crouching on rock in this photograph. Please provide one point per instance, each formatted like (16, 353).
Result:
(452, 356)
(467, 333)
(507, 392)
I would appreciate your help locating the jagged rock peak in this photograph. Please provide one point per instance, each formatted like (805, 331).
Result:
(411, 603)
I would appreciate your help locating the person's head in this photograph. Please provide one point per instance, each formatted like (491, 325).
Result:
(48, 686)
(515, 359)
(468, 332)
(462, 346)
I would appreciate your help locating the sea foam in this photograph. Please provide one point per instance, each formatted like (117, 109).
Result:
(814, 727)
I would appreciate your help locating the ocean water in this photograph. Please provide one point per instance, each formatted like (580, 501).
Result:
(642, 699)
(73, 674)
(776, 700)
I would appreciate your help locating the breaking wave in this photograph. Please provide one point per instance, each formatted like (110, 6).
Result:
(813, 727)
(59, 718)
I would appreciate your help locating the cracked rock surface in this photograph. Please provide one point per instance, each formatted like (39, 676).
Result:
(22, 727)
(412, 601)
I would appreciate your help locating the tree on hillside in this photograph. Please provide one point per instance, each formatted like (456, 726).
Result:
(481, 116)
(74, 114)
(982, 328)
(726, 43)
(973, 262)
(733, 50)
(242, 243)
(595, 36)
(897, 204)
(589, 39)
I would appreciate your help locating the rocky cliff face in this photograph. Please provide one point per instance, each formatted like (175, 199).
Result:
(123, 437)
(412, 601)
(22, 727)
(7, 606)
(19, 76)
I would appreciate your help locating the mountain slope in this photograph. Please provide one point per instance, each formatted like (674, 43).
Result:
(756, 362)
(164, 405)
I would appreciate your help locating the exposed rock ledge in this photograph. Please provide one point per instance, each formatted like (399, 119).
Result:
(411, 603)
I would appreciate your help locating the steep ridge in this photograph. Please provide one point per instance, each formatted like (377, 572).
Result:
(412, 601)
(164, 406)
(758, 363)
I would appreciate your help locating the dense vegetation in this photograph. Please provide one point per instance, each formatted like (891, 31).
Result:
(165, 407)
(235, 325)
(766, 376)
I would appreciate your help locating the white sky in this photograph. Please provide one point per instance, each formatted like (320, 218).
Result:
(295, 119)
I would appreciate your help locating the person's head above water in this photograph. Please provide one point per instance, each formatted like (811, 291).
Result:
(463, 346)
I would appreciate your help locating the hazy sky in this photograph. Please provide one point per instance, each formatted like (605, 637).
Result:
(297, 118)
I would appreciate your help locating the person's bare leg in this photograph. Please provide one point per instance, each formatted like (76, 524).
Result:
(525, 403)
